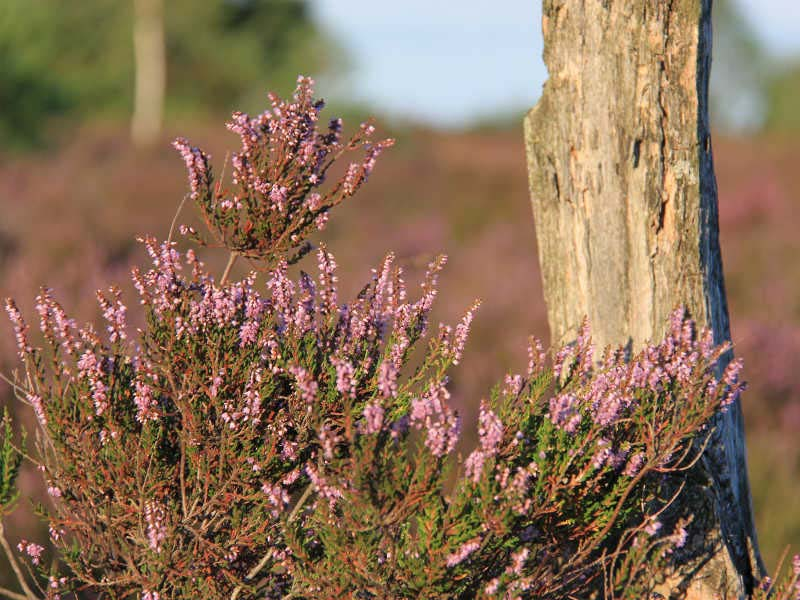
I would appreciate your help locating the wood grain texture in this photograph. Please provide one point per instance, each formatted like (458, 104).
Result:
(625, 203)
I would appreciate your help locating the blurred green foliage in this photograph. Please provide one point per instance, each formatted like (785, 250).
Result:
(783, 101)
(751, 89)
(76, 58)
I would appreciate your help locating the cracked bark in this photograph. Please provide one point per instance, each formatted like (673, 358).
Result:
(625, 204)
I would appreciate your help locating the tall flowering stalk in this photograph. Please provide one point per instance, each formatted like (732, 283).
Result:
(258, 438)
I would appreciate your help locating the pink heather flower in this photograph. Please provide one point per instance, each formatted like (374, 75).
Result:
(146, 404)
(493, 586)
(328, 439)
(216, 383)
(282, 290)
(473, 466)
(518, 560)
(56, 534)
(462, 332)
(155, 516)
(54, 491)
(327, 280)
(653, 526)
(248, 333)
(433, 413)
(462, 553)
(148, 595)
(373, 417)
(345, 382)
(321, 221)
(603, 454)
(277, 496)
(563, 359)
(512, 385)
(313, 201)
(196, 164)
(91, 368)
(564, 412)
(679, 537)
(536, 357)
(38, 408)
(634, 465)
(490, 429)
(305, 384)
(277, 196)
(322, 487)
(114, 314)
(387, 379)
(351, 179)
(54, 323)
(20, 328)
(56, 584)
(33, 550)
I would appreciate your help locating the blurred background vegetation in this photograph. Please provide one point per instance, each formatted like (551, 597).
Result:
(75, 191)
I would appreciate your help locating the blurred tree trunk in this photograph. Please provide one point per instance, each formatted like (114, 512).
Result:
(151, 71)
(625, 202)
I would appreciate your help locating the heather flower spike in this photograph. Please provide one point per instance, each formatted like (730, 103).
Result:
(278, 192)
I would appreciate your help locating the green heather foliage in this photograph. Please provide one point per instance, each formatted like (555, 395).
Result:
(260, 438)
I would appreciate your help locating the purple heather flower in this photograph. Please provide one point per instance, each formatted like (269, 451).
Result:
(248, 332)
(473, 466)
(603, 455)
(114, 314)
(327, 281)
(322, 487)
(512, 385)
(351, 179)
(536, 357)
(653, 526)
(155, 516)
(277, 496)
(490, 429)
(462, 553)
(565, 413)
(20, 328)
(373, 417)
(345, 381)
(146, 404)
(328, 439)
(33, 550)
(432, 412)
(387, 379)
(305, 384)
(634, 465)
(38, 408)
(196, 164)
(277, 196)
(679, 537)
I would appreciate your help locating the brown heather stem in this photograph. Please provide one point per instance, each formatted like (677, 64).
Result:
(300, 502)
(29, 595)
(175, 218)
(256, 569)
(13, 595)
(228, 267)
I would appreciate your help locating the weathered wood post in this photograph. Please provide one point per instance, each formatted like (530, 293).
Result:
(149, 47)
(625, 203)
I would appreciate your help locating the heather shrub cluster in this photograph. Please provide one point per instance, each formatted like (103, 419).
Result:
(263, 437)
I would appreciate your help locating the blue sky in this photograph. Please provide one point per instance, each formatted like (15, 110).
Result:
(456, 62)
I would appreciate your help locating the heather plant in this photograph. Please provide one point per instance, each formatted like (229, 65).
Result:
(260, 438)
